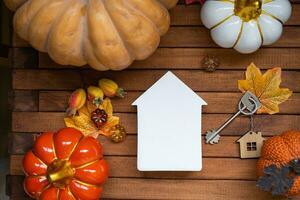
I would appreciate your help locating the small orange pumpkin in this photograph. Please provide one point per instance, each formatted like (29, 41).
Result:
(65, 166)
(280, 151)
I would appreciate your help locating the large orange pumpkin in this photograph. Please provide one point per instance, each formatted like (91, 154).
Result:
(280, 151)
(102, 33)
(65, 166)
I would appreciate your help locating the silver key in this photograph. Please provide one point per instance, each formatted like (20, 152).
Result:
(248, 105)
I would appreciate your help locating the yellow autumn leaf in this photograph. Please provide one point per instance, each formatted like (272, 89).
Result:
(107, 106)
(83, 121)
(111, 122)
(265, 87)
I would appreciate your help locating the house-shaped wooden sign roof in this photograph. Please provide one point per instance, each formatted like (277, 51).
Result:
(169, 127)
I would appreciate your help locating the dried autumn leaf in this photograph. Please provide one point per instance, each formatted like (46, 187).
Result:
(265, 87)
(83, 121)
(107, 106)
(111, 122)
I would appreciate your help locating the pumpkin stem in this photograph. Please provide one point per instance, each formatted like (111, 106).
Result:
(247, 9)
(60, 172)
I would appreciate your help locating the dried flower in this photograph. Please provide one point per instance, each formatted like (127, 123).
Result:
(99, 117)
(118, 133)
(210, 63)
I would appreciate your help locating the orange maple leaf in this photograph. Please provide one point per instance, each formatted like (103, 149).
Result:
(265, 87)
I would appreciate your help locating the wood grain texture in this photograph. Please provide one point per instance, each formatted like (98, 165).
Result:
(198, 80)
(135, 188)
(41, 94)
(219, 102)
(23, 142)
(245, 171)
(191, 58)
(25, 100)
(24, 58)
(35, 122)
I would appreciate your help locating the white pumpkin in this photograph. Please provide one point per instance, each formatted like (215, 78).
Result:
(245, 25)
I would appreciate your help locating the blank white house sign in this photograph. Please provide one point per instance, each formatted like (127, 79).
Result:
(169, 127)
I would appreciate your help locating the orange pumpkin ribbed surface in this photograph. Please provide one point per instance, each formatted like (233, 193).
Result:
(280, 151)
(104, 34)
(65, 166)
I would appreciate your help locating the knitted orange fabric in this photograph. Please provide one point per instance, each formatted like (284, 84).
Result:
(280, 150)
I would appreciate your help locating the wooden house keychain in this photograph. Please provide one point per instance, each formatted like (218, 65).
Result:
(251, 142)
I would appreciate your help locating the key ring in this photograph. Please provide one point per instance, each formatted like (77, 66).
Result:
(256, 106)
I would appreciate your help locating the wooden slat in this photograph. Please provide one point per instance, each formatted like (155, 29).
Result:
(268, 124)
(245, 171)
(217, 102)
(222, 80)
(199, 37)
(190, 15)
(22, 79)
(25, 100)
(20, 143)
(23, 142)
(191, 58)
(24, 58)
(183, 189)
(132, 188)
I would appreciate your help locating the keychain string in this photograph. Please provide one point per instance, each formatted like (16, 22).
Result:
(251, 123)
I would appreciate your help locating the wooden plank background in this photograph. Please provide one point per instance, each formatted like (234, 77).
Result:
(41, 89)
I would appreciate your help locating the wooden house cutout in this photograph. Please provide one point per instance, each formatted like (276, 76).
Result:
(169, 127)
(250, 144)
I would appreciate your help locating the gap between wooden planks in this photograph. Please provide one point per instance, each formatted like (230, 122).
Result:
(198, 80)
(34, 122)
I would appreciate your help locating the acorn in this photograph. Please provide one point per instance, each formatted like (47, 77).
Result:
(111, 88)
(95, 94)
(76, 101)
